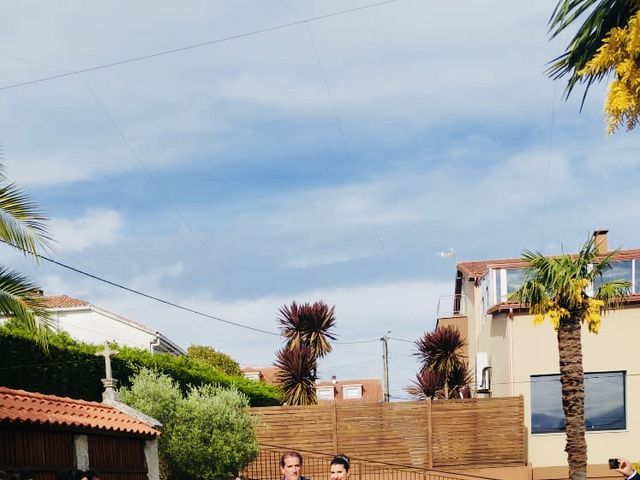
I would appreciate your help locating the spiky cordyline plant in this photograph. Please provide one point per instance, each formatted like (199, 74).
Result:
(22, 226)
(308, 325)
(427, 385)
(440, 352)
(296, 375)
(434, 385)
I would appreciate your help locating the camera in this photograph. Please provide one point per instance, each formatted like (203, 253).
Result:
(614, 463)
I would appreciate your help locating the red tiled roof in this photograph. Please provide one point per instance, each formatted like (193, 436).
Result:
(63, 301)
(268, 374)
(30, 407)
(371, 390)
(477, 269)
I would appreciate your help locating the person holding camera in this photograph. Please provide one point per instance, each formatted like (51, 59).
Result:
(624, 466)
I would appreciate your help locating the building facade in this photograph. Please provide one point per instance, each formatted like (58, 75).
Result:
(88, 323)
(509, 355)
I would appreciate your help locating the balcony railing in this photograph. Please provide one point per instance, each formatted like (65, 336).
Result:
(452, 306)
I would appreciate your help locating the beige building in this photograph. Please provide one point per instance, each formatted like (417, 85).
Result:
(508, 356)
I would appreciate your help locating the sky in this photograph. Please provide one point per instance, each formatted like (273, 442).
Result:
(233, 157)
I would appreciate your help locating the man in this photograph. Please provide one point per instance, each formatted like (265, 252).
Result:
(291, 466)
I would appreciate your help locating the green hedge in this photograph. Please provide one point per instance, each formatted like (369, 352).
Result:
(71, 369)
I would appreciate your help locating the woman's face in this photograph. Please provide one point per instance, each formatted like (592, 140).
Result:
(338, 472)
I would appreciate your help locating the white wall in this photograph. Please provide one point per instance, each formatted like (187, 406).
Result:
(94, 327)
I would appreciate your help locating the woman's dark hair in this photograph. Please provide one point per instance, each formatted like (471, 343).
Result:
(343, 460)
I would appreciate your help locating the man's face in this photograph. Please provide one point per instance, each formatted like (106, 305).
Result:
(291, 469)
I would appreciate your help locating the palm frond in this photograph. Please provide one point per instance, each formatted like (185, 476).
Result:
(601, 17)
(440, 351)
(19, 300)
(427, 385)
(22, 224)
(297, 375)
(613, 293)
(308, 325)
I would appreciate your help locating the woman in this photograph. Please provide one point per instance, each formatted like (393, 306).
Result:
(340, 467)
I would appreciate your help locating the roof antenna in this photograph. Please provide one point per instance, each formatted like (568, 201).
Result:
(448, 254)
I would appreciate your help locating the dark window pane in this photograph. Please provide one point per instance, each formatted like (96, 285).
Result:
(515, 279)
(618, 271)
(546, 404)
(604, 402)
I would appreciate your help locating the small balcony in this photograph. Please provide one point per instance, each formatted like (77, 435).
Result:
(451, 306)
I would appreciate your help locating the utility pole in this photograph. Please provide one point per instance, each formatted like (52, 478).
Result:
(385, 365)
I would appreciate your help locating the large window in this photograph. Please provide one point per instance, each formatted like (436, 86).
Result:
(506, 281)
(605, 407)
(619, 271)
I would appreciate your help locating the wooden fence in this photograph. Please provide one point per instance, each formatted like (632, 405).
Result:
(316, 466)
(469, 433)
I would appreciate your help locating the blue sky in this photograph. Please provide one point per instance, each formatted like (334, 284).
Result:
(331, 162)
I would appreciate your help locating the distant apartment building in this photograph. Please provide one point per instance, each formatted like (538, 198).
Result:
(328, 391)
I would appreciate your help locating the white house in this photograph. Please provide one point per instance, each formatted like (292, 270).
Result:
(92, 324)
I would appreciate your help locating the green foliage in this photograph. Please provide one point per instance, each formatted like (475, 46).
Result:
(215, 359)
(208, 434)
(71, 369)
(22, 226)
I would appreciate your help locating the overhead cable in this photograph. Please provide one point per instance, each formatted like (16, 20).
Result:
(196, 45)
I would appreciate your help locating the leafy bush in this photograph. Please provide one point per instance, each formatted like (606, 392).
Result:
(71, 369)
(208, 434)
(215, 359)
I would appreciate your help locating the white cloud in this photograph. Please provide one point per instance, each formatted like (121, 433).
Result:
(98, 226)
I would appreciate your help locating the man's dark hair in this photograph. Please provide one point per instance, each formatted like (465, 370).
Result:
(291, 453)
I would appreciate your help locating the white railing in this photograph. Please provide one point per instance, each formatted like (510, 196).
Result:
(452, 306)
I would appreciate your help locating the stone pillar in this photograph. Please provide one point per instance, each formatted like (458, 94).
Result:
(81, 448)
(151, 456)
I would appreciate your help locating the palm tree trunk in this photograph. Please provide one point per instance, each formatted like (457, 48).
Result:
(572, 380)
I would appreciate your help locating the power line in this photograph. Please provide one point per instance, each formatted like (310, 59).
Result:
(196, 45)
(152, 179)
(358, 341)
(347, 151)
(152, 297)
(401, 340)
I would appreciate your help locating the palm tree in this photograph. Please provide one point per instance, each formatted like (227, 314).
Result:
(22, 226)
(559, 288)
(440, 353)
(431, 385)
(296, 375)
(307, 329)
(600, 16)
(308, 325)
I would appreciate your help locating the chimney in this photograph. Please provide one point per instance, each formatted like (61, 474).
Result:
(601, 243)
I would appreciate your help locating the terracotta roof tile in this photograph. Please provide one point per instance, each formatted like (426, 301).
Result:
(63, 301)
(30, 407)
(372, 391)
(268, 374)
(476, 269)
